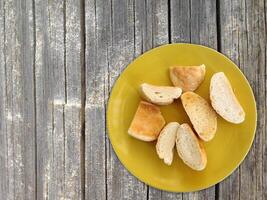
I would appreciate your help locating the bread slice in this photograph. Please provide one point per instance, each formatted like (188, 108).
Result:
(160, 95)
(187, 77)
(223, 99)
(201, 115)
(189, 148)
(166, 142)
(147, 122)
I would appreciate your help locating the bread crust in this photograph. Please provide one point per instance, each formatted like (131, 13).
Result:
(160, 95)
(201, 115)
(166, 142)
(200, 148)
(147, 122)
(223, 99)
(187, 77)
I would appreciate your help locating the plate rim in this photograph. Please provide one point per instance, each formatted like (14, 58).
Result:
(151, 184)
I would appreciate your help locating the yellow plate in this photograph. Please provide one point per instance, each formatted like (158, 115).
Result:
(225, 152)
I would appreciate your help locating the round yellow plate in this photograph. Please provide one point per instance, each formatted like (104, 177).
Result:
(225, 152)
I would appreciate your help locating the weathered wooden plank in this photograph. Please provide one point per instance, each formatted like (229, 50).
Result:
(73, 111)
(195, 22)
(58, 89)
(57, 178)
(3, 126)
(73, 51)
(50, 99)
(203, 23)
(17, 84)
(243, 39)
(156, 194)
(180, 24)
(97, 16)
(159, 21)
(73, 187)
(143, 34)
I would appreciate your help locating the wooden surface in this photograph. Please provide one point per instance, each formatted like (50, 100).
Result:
(58, 62)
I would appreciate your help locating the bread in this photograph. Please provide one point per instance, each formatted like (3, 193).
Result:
(160, 95)
(187, 77)
(147, 122)
(201, 115)
(223, 99)
(166, 142)
(189, 148)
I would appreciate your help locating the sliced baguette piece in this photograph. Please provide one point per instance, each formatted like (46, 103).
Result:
(147, 122)
(166, 142)
(160, 95)
(187, 77)
(223, 99)
(189, 148)
(201, 115)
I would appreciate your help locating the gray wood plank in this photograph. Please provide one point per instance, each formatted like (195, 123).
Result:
(73, 187)
(73, 51)
(58, 96)
(97, 17)
(157, 12)
(194, 22)
(243, 39)
(121, 53)
(17, 104)
(50, 99)
(3, 100)
(180, 16)
(142, 27)
(73, 110)
(57, 181)
(203, 23)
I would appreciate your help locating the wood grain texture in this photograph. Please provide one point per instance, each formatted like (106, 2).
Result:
(73, 187)
(96, 23)
(193, 22)
(17, 104)
(50, 86)
(73, 107)
(3, 101)
(58, 96)
(243, 39)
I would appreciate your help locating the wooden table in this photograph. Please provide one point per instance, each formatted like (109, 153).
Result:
(58, 62)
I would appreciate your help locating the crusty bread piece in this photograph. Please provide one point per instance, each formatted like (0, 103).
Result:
(147, 122)
(166, 142)
(201, 115)
(187, 77)
(223, 99)
(190, 149)
(160, 95)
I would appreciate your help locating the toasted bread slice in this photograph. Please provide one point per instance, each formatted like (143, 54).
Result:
(166, 142)
(223, 99)
(201, 115)
(160, 95)
(147, 122)
(189, 148)
(187, 77)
